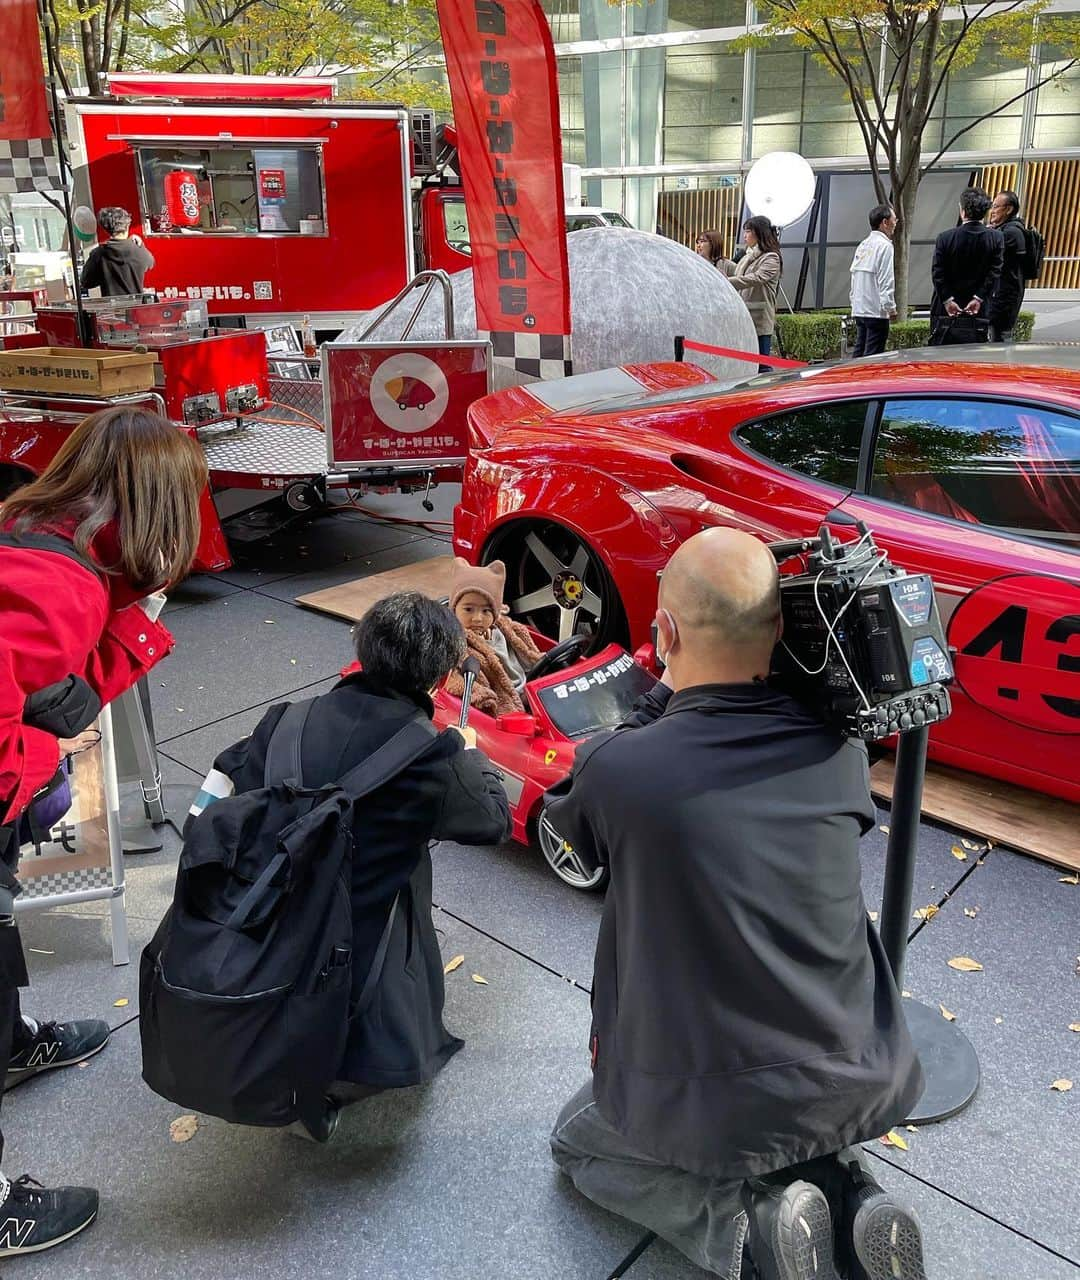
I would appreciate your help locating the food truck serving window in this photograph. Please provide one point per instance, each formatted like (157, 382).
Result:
(231, 189)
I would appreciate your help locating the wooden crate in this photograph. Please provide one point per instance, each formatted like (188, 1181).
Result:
(77, 371)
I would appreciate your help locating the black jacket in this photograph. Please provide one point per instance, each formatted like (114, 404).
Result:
(967, 264)
(447, 794)
(117, 267)
(744, 1014)
(1009, 296)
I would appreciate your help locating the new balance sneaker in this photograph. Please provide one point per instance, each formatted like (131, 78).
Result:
(791, 1233)
(55, 1044)
(33, 1218)
(885, 1238)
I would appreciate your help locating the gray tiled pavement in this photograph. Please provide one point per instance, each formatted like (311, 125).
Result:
(454, 1181)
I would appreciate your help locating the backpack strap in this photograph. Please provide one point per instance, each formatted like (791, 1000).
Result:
(49, 542)
(393, 757)
(283, 762)
(378, 962)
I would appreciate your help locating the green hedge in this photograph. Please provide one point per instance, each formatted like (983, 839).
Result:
(916, 333)
(809, 335)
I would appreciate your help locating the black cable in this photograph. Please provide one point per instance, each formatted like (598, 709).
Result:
(646, 1241)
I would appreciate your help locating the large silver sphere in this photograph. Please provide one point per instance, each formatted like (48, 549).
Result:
(630, 294)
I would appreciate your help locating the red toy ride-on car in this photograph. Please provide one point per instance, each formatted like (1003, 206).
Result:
(568, 698)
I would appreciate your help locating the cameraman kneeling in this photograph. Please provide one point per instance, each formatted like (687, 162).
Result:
(746, 1026)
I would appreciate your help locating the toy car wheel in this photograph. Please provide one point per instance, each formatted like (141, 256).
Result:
(566, 864)
(557, 584)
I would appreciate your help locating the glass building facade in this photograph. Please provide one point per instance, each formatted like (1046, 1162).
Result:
(665, 114)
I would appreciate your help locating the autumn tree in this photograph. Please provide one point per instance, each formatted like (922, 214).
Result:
(894, 58)
(383, 48)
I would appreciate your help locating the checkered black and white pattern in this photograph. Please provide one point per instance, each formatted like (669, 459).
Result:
(536, 355)
(66, 882)
(30, 164)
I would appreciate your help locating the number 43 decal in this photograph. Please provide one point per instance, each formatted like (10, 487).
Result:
(1018, 650)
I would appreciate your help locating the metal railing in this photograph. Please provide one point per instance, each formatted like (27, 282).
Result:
(429, 279)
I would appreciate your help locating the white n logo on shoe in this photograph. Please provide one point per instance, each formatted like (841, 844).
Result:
(43, 1053)
(15, 1232)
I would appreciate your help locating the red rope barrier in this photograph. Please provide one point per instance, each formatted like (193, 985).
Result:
(752, 357)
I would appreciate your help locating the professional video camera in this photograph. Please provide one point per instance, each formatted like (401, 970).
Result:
(863, 642)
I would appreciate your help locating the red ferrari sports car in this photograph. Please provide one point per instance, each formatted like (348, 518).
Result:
(965, 463)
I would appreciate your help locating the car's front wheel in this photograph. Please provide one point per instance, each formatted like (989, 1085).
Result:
(565, 862)
(557, 584)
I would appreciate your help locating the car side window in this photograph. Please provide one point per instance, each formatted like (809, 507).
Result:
(821, 440)
(1007, 466)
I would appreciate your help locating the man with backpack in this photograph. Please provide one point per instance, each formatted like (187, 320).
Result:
(298, 968)
(1009, 295)
(965, 271)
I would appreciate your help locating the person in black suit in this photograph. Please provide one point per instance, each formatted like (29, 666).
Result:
(1007, 301)
(966, 271)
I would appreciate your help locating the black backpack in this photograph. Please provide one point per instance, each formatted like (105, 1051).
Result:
(245, 987)
(1034, 251)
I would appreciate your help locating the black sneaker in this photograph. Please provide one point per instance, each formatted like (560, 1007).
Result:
(885, 1238)
(56, 1044)
(791, 1236)
(32, 1218)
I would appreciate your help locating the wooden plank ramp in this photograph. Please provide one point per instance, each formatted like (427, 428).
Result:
(351, 600)
(1006, 815)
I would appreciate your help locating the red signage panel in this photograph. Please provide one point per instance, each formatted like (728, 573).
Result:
(501, 66)
(393, 404)
(23, 113)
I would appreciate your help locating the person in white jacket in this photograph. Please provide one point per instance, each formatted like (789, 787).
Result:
(873, 289)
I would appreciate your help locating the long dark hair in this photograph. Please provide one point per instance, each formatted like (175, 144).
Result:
(767, 238)
(131, 467)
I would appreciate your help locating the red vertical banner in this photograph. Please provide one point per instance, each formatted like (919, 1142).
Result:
(28, 158)
(501, 66)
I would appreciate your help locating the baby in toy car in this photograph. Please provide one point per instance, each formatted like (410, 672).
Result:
(504, 649)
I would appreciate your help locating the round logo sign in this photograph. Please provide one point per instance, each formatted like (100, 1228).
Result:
(1017, 643)
(409, 393)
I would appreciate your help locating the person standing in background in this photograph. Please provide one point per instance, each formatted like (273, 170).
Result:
(119, 266)
(757, 277)
(966, 270)
(873, 287)
(710, 246)
(1009, 296)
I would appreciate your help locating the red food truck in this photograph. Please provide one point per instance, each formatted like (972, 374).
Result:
(265, 196)
(265, 203)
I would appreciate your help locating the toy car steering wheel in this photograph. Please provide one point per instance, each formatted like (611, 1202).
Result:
(561, 656)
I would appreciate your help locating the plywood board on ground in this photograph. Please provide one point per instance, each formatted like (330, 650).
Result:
(1011, 816)
(351, 600)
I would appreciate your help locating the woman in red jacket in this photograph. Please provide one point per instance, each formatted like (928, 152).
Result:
(84, 552)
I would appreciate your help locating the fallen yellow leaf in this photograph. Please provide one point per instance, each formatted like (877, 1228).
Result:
(927, 913)
(911, 1128)
(965, 964)
(1073, 879)
(1062, 1086)
(183, 1128)
(121, 1003)
(969, 844)
(971, 912)
(949, 1017)
(893, 1139)
(957, 852)
(1074, 1026)
(451, 965)
(482, 981)
(885, 829)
